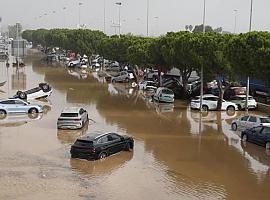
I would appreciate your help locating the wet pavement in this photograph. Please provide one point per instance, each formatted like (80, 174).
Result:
(177, 155)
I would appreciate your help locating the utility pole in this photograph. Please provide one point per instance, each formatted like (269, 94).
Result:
(147, 19)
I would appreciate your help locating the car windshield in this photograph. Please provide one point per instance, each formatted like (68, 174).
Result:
(167, 92)
(69, 114)
(265, 120)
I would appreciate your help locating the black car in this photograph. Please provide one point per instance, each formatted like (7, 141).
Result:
(96, 146)
(259, 135)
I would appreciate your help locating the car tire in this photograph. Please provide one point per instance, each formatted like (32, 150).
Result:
(244, 138)
(128, 147)
(113, 81)
(45, 87)
(22, 95)
(3, 114)
(231, 108)
(205, 108)
(32, 111)
(102, 155)
(33, 115)
(234, 126)
(267, 145)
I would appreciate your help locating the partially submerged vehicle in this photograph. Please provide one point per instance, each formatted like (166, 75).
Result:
(42, 91)
(148, 85)
(96, 146)
(72, 118)
(164, 95)
(18, 120)
(10, 106)
(250, 121)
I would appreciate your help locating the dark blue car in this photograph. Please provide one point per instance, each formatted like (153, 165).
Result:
(259, 135)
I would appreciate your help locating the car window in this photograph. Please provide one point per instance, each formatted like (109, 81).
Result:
(103, 140)
(244, 118)
(265, 120)
(8, 102)
(257, 129)
(265, 130)
(19, 102)
(115, 137)
(252, 119)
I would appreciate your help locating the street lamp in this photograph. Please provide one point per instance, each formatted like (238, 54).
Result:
(147, 18)
(156, 18)
(235, 20)
(119, 4)
(80, 3)
(201, 96)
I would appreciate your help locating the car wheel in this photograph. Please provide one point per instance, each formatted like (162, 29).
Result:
(267, 145)
(102, 155)
(231, 108)
(3, 114)
(113, 81)
(33, 111)
(205, 108)
(234, 127)
(45, 87)
(244, 138)
(22, 95)
(128, 147)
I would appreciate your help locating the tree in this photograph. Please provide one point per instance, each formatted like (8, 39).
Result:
(199, 29)
(14, 30)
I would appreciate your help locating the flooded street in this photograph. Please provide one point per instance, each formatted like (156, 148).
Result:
(177, 154)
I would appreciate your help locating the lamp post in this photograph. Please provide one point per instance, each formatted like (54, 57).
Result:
(250, 28)
(80, 3)
(235, 20)
(201, 96)
(64, 15)
(156, 18)
(119, 4)
(147, 18)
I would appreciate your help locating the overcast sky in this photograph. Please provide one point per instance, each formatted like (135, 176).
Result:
(164, 15)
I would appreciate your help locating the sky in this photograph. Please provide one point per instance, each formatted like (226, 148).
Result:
(164, 15)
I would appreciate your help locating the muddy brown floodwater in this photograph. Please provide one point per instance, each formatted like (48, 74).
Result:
(177, 155)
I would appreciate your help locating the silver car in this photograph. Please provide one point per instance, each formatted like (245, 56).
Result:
(18, 106)
(121, 77)
(72, 118)
(250, 121)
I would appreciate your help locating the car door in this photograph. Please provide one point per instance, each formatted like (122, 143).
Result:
(262, 135)
(105, 145)
(243, 122)
(117, 143)
(251, 122)
(20, 106)
(10, 106)
(253, 136)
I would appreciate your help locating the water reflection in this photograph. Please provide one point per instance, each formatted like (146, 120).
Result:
(102, 167)
(70, 136)
(13, 120)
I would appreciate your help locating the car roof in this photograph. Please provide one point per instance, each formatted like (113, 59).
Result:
(242, 96)
(94, 135)
(71, 110)
(207, 95)
(263, 117)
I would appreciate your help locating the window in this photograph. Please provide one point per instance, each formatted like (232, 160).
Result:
(265, 130)
(103, 140)
(8, 102)
(244, 118)
(115, 137)
(265, 120)
(19, 102)
(252, 119)
(69, 114)
(210, 99)
(257, 129)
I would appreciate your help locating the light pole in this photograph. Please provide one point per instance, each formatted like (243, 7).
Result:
(104, 17)
(119, 16)
(201, 96)
(64, 15)
(80, 3)
(235, 20)
(156, 18)
(250, 28)
(147, 18)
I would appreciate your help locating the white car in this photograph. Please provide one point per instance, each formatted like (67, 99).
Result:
(72, 118)
(240, 101)
(250, 121)
(164, 95)
(42, 91)
(147, 85)
(210, 102)
(74, 63)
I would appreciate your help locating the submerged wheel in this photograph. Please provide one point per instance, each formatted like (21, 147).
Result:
(234, 127)
(102, 155)
(267, 145)
(33, 111)
(231, 108)
(205, 108)
(3, 114)
(244, 138)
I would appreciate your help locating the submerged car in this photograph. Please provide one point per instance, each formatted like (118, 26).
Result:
(123, 76)
(147, 85)
(19, 120)
(164, 95)
(250, 121)
(42, 91)
(72, 118)
(18, 106)
(240, 101)
(96, 146)
(259, 135)
(210, 102)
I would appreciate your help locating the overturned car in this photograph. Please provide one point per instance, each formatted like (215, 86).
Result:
(42, 91)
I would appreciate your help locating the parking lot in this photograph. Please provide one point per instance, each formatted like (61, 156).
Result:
(178, 153)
